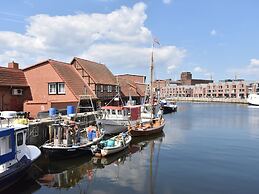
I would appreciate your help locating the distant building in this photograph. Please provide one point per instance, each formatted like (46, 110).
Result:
(186, 79)
(14, 89)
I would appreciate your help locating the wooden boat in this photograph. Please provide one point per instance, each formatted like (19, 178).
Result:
(156, 122)
(145, 129)
(69, 141)
(15, 156)
(112, 145)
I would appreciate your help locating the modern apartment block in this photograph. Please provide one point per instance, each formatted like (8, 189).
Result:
(223, 89)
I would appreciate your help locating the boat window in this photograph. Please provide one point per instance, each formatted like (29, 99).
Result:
(119, 112)
(6, 145)
(113, 112)
(19, 139)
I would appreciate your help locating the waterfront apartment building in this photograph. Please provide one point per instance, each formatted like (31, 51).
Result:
(223, 89)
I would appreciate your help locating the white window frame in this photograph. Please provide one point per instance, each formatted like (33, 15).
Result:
(59, 86)
(109, 88)
(101, 88)
(116, 88)
(54, 89)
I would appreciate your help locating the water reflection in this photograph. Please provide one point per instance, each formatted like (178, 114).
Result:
(68, 174)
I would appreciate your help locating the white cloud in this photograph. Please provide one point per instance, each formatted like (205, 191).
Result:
(119, 38)
(167, 1)
(251, 71)
(204, 72)
(213, 32)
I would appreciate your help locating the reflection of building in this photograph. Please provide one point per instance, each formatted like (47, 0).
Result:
(14, 89)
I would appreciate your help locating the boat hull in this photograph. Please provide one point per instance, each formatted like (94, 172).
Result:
(149, 131)
(114, 126)
(169, 109)
(253, 99)
(14, 173)
(57, 153)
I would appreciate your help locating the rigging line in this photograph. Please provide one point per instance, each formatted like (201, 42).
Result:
(157, 160)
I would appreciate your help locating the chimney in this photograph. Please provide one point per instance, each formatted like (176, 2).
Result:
(13, 65)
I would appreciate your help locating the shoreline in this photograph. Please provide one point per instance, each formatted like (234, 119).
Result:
(221, 100)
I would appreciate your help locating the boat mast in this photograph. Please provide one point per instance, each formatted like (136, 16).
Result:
(151, 76)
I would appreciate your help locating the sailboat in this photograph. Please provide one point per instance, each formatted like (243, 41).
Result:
(154, 124)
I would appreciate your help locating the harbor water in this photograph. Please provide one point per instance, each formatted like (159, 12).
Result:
(206, 148)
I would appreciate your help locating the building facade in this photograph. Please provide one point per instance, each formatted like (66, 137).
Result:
(14, 89)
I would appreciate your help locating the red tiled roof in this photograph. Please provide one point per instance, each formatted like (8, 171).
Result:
(99, 72)
(130, 88)
(71, 77)
(12, 77)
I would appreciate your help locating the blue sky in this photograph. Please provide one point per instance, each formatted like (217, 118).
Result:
(209, 38)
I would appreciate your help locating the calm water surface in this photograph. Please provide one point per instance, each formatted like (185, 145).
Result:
(205, 148)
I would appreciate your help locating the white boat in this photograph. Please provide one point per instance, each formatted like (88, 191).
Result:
(168, 107)
(15, 156)
(116, 119)
(112, 145)
(253, 99)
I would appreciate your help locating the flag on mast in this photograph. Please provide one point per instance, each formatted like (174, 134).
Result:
(155, 40)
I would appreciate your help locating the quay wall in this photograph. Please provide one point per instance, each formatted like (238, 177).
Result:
(222, 100)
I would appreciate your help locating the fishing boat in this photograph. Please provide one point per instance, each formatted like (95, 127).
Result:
(168, 107)
(69, 141)
(15, 156)
(253, 99)
(156, 122)
(112, 145)
(116, 119)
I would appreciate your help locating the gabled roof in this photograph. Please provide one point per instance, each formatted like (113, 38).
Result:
(98, 72)
(71, 77)
(12, 77)
(130, 88)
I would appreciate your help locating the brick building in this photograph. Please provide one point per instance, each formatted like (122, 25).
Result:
(14, 89)
(186, 79)
(54, 84)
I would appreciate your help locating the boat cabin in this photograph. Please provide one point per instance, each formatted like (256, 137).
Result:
(12, 141)
(120, 112)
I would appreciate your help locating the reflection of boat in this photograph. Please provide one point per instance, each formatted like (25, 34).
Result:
(168, 107)
(116, 119)
(69, 141)
(112, 145)
(253, 99)
(15, 156)
(65, 174)
(147, 139)
(101, 162)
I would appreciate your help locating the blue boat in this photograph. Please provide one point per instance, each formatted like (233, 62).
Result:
(15, 156)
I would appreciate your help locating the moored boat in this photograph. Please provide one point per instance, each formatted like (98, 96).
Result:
(15, 156)
(112, 145)
(70, 141)
(148, 128)
(253, 99)
(168, 107)
(116, 119)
